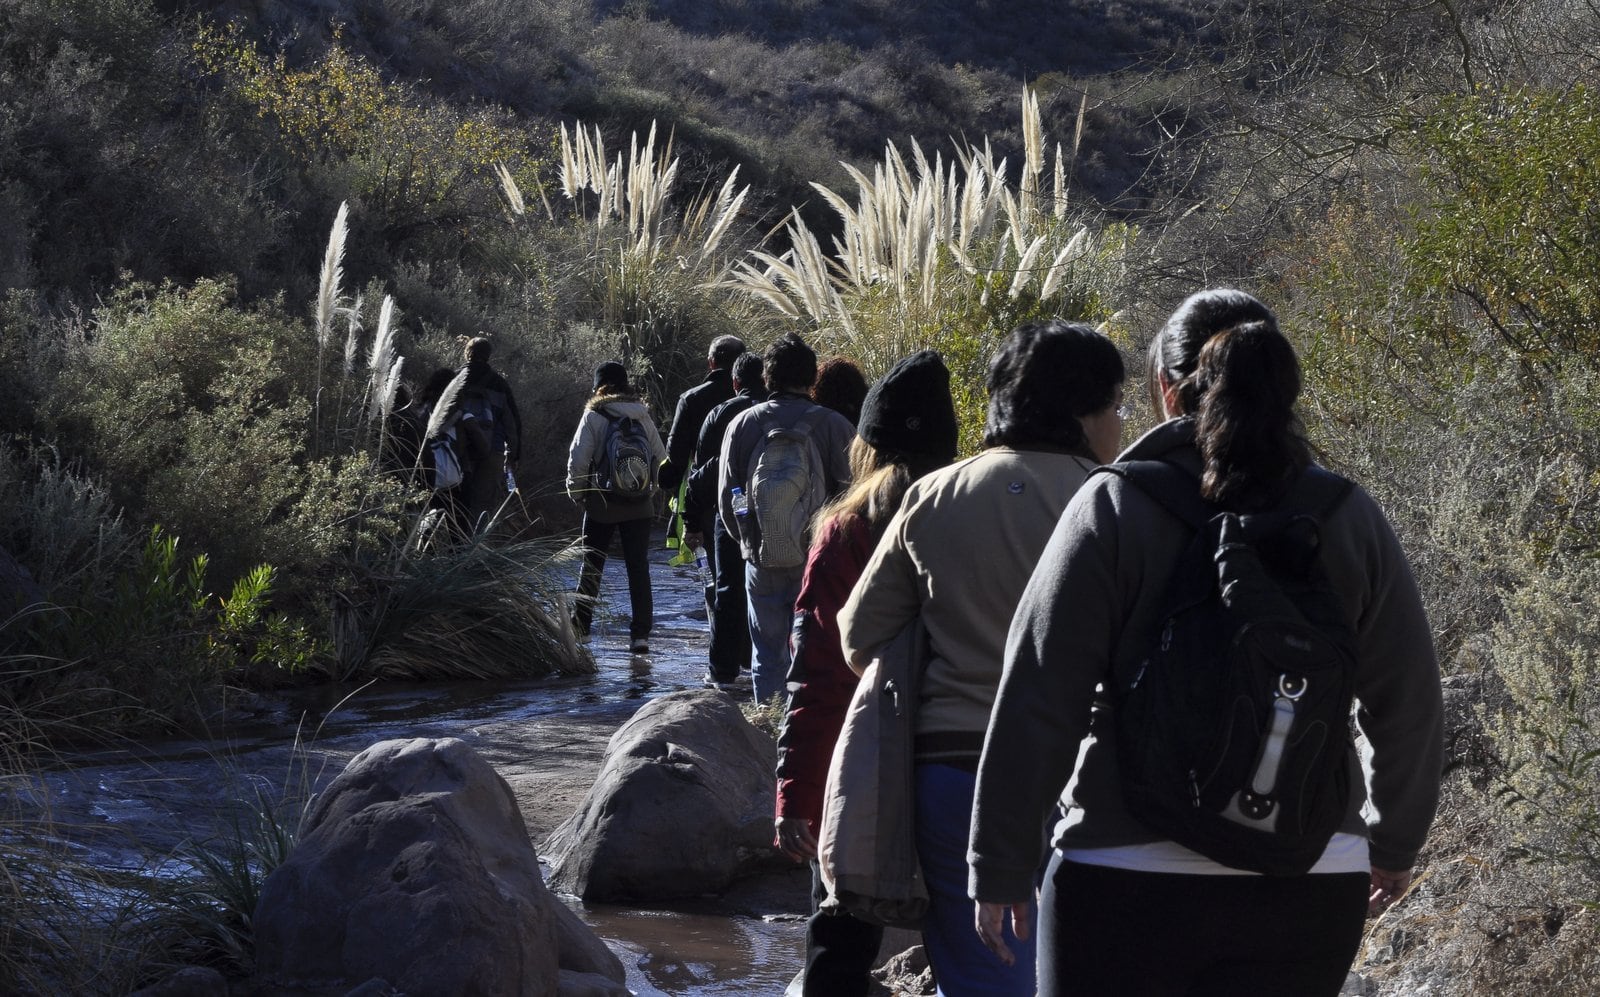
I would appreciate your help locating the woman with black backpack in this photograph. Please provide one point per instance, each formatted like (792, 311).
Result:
(612, 469)
(1220, 567)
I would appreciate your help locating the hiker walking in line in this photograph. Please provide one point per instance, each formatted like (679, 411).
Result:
(780, 462)
(908, 428)
(959, 553)
(840, 386)
(687, 419)
(486, 399)
(727, 614)
(1219, 510)
(611, 472)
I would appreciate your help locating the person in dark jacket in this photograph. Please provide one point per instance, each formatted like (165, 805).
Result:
(907, 428)
(493, 430)
(729, 653)
(840, 386)
(693, 407)
(1123, 908)
(604, 513)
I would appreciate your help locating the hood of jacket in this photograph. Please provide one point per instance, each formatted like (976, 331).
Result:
(618, 406)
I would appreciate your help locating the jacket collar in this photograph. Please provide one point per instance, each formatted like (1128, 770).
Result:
(1172, 441)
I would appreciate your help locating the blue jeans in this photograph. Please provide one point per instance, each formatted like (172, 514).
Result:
(770, 594)
(962, 965)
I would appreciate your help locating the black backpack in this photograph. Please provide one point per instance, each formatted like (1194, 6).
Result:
(1233, 730)
(627, 470)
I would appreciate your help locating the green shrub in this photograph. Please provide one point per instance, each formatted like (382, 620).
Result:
(195, 413)
(1548, 653)
(1508, 231)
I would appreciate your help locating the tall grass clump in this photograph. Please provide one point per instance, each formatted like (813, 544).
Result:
(643, 261)
(472, 609)
(944, 255)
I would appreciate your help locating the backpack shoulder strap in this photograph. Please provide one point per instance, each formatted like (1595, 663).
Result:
(1317, 492)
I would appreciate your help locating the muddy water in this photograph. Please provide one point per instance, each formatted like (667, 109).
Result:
(136, 806)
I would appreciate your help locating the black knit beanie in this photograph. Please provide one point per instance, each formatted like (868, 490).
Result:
(613, 375)
(909, 413)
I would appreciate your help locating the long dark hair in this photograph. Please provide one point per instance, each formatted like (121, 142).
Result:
(1043, 378)
(1224, 358)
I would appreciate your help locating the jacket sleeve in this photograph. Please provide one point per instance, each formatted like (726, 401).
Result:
(580, 456)
(1399, 702)
(514, 437)
(888, 596)
(657, 449)
(817, 706)
(1058, 649)
(700, 498)
(731, 472)
(680, 445)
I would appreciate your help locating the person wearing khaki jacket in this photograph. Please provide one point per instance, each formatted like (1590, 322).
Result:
(958, 553)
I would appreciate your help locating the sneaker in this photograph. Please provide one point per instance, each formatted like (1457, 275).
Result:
(639, 646)
(712, 682)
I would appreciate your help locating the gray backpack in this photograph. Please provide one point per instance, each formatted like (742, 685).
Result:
(787, 487)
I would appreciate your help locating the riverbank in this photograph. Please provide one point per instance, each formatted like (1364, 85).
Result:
(137, 807)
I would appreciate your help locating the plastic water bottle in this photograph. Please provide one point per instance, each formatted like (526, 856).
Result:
(741, 505)
(701, 568)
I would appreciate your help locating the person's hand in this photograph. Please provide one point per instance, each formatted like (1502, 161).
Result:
(1388, 885)
(990, 920)
(794, 838)
(693, 539)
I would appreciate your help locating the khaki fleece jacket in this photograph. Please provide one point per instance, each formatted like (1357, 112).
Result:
(1094, 602)
(583, 456)
(959, 551)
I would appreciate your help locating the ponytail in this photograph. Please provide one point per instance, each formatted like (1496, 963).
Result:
(1245, 426)
(1235, 373)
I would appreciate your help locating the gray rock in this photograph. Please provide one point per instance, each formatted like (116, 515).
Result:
(414, 866)
(682, 806)
(190, 981)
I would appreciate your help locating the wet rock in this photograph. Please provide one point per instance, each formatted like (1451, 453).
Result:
(682, 806)
(190, 981)
(415, 867)
(906, 972)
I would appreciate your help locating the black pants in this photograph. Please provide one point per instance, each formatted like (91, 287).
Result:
(840, 949)
(636, 557)
(730, 622)
(1147, 934)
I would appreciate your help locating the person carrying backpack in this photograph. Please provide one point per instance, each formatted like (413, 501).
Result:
(1180, 673)
(611, 471)
(957, 554)
(786, 457)
(486, 400)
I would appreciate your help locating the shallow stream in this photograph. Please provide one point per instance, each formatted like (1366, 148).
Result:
(136, 807)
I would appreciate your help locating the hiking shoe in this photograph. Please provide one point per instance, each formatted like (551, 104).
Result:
(710, 681)
(639, 646)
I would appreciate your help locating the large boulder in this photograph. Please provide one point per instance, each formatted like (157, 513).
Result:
(682, 806)
(414, 866)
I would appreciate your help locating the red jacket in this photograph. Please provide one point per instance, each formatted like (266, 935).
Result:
(818, 703)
